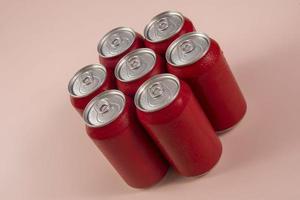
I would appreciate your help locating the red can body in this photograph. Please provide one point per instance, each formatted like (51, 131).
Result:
(161, 47)
(129, 149)
(215, 87)
(110, 62)
(184, 134)
(129, 88)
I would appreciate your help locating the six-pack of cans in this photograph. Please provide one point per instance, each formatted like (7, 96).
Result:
(158, 100)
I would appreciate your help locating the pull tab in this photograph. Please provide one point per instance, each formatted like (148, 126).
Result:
(116, 42)
(187, 46)
(102, 107)
(87, 78)
(134, 62)
(163, 24)
(156, 90)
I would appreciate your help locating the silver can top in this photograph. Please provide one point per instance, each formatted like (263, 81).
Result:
(163, 26)
(104, 108)
(157, 92)
(116, 42)
(87, 80)
(187, 49)
(135, 65)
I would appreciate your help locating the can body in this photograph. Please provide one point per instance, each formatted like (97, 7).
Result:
(184, 134)
(111, 61)
(129, 149)
(215, 87)
(160, 47)
(130, 87)
(79, 102)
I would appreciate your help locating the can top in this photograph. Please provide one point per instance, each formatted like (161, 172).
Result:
(116, 42)
(135, 65)
(104, 108)
(87, 80)
(157, 92)
(187, 49)
(163, 26)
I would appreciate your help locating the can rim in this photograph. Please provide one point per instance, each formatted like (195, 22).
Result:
(154, 19)
(91, 103)
(122, 60)
(150, 81)
(178, 40)
(80, 71)
(101, 41)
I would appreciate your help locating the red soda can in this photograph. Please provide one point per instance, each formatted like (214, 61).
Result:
(136, 67)
(112, 124)
(198, 59)
(164, 28)
(87, 83)
(116, 44)
(173, 117)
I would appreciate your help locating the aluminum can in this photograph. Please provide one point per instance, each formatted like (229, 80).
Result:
(198, 59)
(173, 117)
(87, 83)
(164, 28)
(112, 124)
(116, 44)
(136, 67)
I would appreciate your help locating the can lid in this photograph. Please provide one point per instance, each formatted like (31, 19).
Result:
(163, 26)
(87, 80)
(157, 92)
(135, 65)
(187, 49)
(104, 108)
(116, 42)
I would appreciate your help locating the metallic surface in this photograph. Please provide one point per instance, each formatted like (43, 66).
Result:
(104, 108)
(187, 49)
(87, 80)
(87, 83)
(157, 92)
(165, 31)
(164, 26)
(135, 65)
(116, 42)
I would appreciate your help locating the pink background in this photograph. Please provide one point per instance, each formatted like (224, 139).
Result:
(44, 151)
